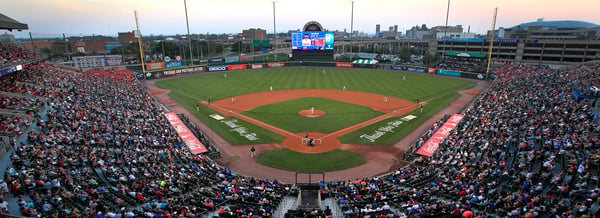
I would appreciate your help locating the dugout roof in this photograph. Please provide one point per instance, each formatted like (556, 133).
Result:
(7, 23)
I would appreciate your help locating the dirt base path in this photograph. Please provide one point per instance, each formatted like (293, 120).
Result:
(380, 159)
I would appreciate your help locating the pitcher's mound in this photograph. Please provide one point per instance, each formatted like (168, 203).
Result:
(315, 113)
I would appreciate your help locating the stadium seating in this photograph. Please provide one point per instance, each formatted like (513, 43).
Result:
(525, 148)
(13, 55)
(100, 144)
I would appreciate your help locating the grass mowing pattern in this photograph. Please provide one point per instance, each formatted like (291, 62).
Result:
(389, 83)
(338, 115)
(404, 129)
(286, 159)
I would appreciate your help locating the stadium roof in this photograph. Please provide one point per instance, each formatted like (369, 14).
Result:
(559, 24)
(7, 23)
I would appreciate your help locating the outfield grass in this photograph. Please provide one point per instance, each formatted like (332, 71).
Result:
(338, 115)
(286, 159)
(190, 90)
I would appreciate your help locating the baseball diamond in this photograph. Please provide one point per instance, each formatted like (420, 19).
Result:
(270, 120)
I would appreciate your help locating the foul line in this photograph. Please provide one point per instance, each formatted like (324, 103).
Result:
(369, 122)
(255, 122)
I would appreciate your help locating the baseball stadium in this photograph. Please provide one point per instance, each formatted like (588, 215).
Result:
(310, 123)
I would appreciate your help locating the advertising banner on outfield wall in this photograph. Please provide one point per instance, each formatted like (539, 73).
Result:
(236, 67)
(449, 73)
(397, 68)
(344, 65)
(472, 75)
(217, 68)
(216, 60)
(416, 69)
(276, 65)
(246, 58)
(257, 66)
(183, 70)
(174, 64)
(433, 143)
(431, 70)
(155, 65)
(232, 59)
(195, 146)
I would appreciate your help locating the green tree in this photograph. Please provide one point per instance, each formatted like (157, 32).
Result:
(235, 47)
(405, 54)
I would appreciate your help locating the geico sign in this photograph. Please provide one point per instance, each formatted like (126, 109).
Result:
(217, 68)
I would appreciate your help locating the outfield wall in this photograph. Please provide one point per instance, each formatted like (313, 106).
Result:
(216, 66)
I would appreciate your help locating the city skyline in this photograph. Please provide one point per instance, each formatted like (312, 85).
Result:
(47, 18)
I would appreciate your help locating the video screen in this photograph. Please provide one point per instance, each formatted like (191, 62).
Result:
(312, 41)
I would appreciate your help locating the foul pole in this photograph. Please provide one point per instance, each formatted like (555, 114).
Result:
(137, 24)
(487, 72)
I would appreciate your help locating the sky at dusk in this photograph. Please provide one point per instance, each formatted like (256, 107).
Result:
(167, 17)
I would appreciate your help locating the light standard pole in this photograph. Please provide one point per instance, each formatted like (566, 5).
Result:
(188, 32)
(352, 31)
(445, 31)
(275, 34)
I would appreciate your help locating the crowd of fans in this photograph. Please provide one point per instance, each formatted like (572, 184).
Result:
(106, 149)
(525, 148)
(12, 54)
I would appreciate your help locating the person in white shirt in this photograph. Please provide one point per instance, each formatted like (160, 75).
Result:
(306, 41)
(4, 204)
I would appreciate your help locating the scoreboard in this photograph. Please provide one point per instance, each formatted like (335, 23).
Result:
(311, 41)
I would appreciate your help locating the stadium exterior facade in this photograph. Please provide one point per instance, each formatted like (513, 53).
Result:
(554, 52)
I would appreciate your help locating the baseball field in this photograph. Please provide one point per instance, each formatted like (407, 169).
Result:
(309, 114)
